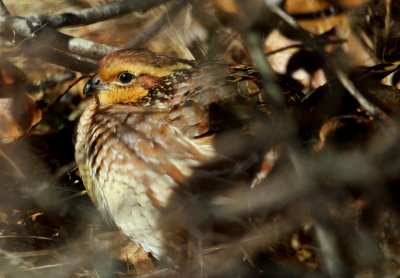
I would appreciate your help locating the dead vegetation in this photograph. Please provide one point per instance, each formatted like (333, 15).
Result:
(329, 201)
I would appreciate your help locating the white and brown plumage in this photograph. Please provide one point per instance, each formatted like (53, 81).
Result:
(150, 125)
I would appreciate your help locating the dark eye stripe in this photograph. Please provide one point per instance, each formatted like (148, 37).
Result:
(125, 77)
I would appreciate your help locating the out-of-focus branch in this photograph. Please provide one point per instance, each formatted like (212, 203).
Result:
(327, 239)
(11, 27)
(275, 95)
(56, 57)
(96, 14)
(3, 9)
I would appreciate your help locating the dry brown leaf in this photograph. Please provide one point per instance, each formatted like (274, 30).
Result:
(324, 22)
(310, 6)
(134, 255)
(18, 111)
(36, 215)
(3, 217)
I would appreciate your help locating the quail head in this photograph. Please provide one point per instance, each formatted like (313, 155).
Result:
(150, 127)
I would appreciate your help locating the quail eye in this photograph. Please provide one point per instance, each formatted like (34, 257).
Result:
(125, 77)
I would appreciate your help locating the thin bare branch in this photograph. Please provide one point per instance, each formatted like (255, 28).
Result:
(54, 56)
(96, 14)
(12, 27)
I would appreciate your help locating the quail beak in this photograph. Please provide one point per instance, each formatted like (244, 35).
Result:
(94, 84)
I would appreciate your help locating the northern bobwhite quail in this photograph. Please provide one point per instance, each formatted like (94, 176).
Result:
(151, 124)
